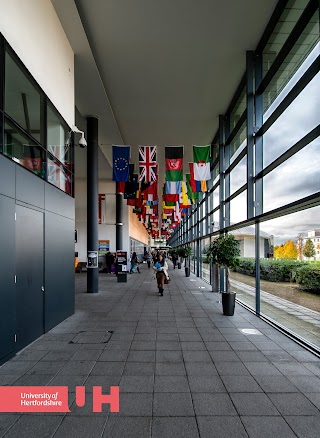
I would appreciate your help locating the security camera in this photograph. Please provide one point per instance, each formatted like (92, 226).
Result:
(82, 141)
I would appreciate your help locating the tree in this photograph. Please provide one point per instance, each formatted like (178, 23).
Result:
(308, 250)
(299, 241)
(290, 250)
(279, 251)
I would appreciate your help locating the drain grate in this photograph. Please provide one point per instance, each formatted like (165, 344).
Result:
(92, 337)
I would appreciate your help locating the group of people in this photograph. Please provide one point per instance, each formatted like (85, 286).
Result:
(110, 259)
(160, 266)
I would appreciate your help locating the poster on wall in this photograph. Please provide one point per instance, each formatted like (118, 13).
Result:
(103, 246)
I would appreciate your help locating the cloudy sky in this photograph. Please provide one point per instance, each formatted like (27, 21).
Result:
(297, 177)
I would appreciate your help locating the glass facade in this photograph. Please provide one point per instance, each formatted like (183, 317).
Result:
(265, 186)
(32, 133)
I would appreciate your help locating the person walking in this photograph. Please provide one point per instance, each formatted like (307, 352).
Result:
(174, 257)
(149, 259)
(134, 263)
(161, 268)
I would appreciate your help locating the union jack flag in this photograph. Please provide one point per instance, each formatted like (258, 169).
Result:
(148, 163)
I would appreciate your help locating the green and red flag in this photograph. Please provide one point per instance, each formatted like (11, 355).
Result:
(174, 163)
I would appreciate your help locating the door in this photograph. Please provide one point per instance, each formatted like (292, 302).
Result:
(30, 273)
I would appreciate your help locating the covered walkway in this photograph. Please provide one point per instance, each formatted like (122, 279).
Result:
(184, 369)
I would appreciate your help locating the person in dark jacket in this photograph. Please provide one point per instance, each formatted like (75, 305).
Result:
(134, 263)
(174, 257)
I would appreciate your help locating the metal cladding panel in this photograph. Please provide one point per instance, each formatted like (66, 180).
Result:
(59, 269)
(59, 202)
(7, 273)
(29, 188)
(7, 177)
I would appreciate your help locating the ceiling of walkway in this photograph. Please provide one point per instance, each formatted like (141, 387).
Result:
(159, 72)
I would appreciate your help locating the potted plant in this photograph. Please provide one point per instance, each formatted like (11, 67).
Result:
(185, 253)
(224, 251)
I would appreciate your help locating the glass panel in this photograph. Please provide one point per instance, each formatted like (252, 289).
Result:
(58, 138)
(282, 30)
(60, 176)
(238, 208)
(216, 197)
(215, 152)
(279, 98)
(294, 123)
(294, 179)
(238, 110)
(22, 100)
(293, 61)
(239, 142)
(242, 280)
(205, 271)
(23, 150)
(215, 174)
(238, 175)
(193, 257)
(289, 289)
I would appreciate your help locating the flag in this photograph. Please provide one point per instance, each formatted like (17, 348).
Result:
(121, 157)
(131, 187)
(192, 195)
(195, 185)
(173, 187)
(201, 158)
(148, 163)
(174, 163)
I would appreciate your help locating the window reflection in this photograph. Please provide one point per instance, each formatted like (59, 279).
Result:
(238, 208)
(22, 100)
(239, 142)
(238, 175)
(294, 123)
(23, 150)
(58, 137)
(205, 265)
(58, 175)
(296, 178)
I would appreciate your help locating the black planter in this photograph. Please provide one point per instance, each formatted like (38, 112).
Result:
(228, 303)
(187, 271)
(179, 265)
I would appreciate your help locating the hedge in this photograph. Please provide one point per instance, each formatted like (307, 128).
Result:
(309, 278)
(304, 273)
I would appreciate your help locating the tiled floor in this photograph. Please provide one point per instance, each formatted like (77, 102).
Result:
(184, 369)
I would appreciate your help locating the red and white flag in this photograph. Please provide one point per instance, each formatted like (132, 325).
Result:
(148, 163)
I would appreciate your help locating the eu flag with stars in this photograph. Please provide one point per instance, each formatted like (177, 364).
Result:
(121, 158)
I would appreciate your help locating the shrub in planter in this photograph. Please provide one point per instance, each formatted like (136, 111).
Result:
(224, 251)
(185, 253)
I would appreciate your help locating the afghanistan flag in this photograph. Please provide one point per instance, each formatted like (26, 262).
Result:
(201, 159)
(174, 163)
(121, 157)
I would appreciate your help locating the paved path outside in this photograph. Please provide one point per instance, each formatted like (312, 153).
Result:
(302, 321)
(184, 369)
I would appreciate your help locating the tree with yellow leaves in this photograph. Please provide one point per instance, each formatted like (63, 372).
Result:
(287, 250)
